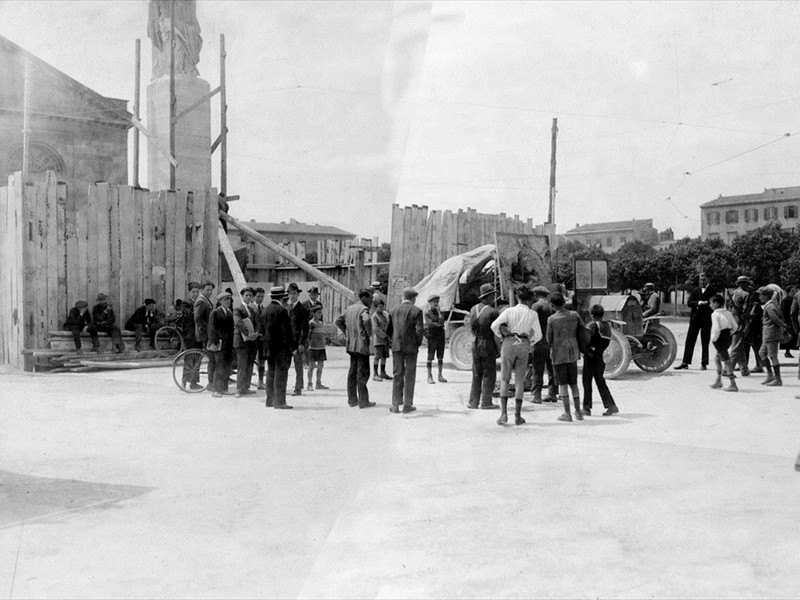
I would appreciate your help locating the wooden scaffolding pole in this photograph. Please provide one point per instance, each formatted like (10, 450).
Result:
(223, 120)
(26, 120)
(136, 93)
(172, 100)
(297, 262)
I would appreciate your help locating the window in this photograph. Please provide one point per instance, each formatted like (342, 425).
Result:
(790, 212)
(712, 218)
(732, 216)
(623, 240)
(771, 213)
(609, 242)
(713, 236)
(751, 215)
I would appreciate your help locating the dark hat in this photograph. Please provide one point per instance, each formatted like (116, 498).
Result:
(81, 304)
(277, 292)
(433, 297)
(223, 295)
(101, 297)
(487, 289)
(149, 301)
(247, 289)
(313, 290)
(292, 287)
(541, 290)
(409, 293)
(743, 279)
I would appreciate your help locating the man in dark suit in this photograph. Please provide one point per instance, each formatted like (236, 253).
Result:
(245, 334)
(406, 330)
(699, 322)
(105, 320)
(356, 326)
(279, 345)
(78, 319)
(191, 373)
(202, 311)
(220, 341)
(145, 319)
(484, 349)
(298, 317)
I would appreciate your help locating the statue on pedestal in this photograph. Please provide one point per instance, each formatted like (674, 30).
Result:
(187, 37)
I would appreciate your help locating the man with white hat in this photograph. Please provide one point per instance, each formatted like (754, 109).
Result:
(279, 345)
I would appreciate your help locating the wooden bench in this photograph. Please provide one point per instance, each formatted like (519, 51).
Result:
(62, 340)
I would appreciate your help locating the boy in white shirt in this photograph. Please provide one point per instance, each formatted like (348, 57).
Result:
(722, 326)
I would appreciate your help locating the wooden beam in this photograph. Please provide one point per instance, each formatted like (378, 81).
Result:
(223, 120)
(136, 94)
(300, 264)
(239, 281)
(138, 124)
(205, 98)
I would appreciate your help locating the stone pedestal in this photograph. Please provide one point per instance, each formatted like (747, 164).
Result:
(192, 134)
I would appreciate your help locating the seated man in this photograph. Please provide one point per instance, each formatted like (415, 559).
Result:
(78, 319)
(105, 320)
(146, 319)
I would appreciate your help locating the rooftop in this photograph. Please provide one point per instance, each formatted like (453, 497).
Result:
(768, 195)
(612, 226)
(296, 227)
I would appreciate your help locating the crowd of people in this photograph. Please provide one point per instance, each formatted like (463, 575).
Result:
(760, 319)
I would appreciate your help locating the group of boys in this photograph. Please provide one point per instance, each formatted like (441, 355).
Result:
(537, 334)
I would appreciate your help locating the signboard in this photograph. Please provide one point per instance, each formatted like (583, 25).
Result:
(522, 259)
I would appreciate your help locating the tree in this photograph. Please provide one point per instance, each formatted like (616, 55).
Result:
(760, 252)
(632, 266)
(385, 252)
(564, 256)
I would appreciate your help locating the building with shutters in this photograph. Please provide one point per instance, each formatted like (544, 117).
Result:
(728, 217)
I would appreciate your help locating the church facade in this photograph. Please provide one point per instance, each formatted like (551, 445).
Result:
(74, 131)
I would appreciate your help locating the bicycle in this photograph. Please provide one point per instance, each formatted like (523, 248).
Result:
(190, 370)
(169, 340)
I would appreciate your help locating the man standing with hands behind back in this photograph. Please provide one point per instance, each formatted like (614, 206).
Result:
(699, 322)
(406, 330)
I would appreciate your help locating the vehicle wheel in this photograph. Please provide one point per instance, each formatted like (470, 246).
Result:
(661, 347)
(617, 356)
(191, 367)
(461, 348)
(168, 341)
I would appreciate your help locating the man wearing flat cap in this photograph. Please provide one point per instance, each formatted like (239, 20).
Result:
(279, 345)
(740, 309)
(79, 319)
(220, 342)
(541, 360)
(651, 301)
(484, 349)
(105, 320)
(434, 333)
(145, 319)
(406, 331)
(356, 326)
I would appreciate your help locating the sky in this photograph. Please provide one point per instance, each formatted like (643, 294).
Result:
(337, 110)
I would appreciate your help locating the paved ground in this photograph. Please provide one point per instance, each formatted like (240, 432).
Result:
(119, 485)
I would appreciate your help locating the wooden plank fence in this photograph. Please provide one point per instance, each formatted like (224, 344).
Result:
(422, 239)
(125, 242)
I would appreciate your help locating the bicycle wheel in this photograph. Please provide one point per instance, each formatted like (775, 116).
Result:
(168, 341)
(190, 371)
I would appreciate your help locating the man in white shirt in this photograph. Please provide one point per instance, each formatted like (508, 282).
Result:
(722, 327)
(520, 330)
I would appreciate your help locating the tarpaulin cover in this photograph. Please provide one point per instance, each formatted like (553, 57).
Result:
(443, 281)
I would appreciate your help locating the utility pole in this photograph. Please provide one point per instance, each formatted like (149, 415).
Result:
(551, 215)
(26, 120)
(172, 100)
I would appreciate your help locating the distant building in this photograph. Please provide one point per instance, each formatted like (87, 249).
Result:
(611, 236)
(298, 238)
(728, 217)
(74, 131)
